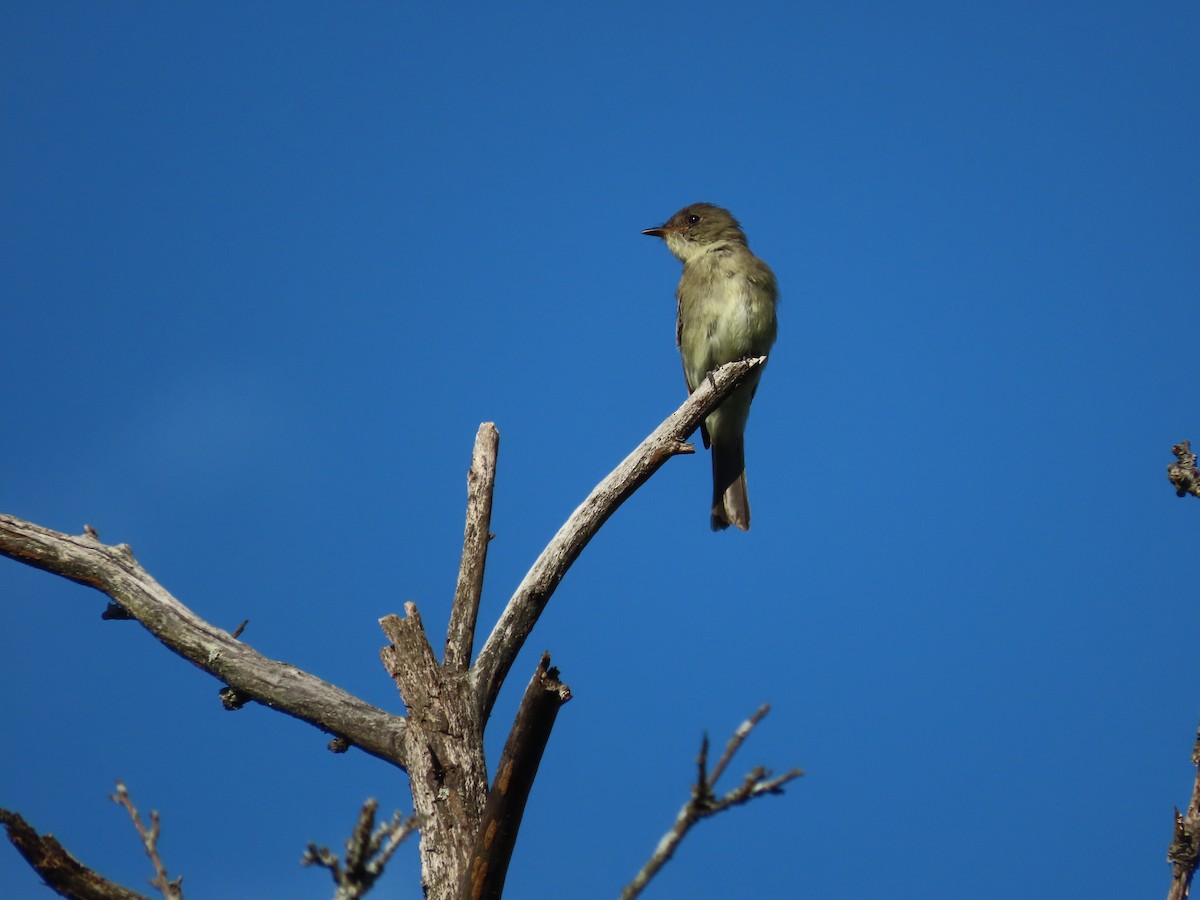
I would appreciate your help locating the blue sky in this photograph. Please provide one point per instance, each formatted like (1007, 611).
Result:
(267, 266)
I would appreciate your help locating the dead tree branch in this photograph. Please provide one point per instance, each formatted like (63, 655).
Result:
(440, 743)
(443, 744)
(526, 605)
(481, 480)
(114, 571)
(704, 801)
(515, 773)
(171, 890)
(1183, 472)
(61, 871)
(368, 850)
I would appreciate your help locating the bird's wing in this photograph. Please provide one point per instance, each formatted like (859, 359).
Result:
(679, 322)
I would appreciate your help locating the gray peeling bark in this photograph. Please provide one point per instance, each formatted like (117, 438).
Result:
(467, 830)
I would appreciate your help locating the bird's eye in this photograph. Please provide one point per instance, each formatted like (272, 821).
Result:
(693, 219)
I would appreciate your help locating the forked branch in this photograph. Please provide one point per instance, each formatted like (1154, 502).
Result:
(368, 850)
(704, 801)
(449, 703)
(171, 890)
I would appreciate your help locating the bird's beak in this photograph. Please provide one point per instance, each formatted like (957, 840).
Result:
(660, 231)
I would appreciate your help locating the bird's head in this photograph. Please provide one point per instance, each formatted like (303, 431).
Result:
(697, 229)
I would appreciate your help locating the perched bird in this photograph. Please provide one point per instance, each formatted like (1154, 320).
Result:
(727, 298)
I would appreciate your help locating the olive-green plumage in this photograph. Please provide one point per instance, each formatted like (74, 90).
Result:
(727, 298)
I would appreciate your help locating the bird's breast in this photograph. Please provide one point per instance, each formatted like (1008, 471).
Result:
(724, 316)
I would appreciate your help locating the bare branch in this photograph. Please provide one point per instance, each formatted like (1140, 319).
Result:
(515, 773)
(61, 871)
(368, 850)
(249, 674)
(1184, 851)
(1183, 473)
(704, 801)
(441, 742)
(171, 890)
(481, 479)
(534, 592)
(409, 660)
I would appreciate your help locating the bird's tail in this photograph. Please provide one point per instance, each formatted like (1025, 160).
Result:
(730, 504)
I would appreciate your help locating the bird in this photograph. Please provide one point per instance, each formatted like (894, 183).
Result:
(726, 312)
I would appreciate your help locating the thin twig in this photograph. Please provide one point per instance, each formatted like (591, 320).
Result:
(704, 801)
(526, 605)
(736, 741)
(171, 890)
(368, 850)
